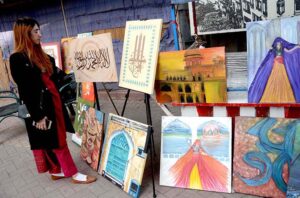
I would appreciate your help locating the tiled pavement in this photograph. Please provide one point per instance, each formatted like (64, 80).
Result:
(19, 178)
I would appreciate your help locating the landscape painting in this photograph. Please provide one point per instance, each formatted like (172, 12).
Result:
(263, 155)
(123, 156)
(196, 153)
(191, 76)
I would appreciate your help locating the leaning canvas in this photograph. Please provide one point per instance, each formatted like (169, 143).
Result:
(196, 153)
(263, 154)
(123, 158)
(93, 59)
(140, 52)
(92, 137)
(81, 107)
(192, 76)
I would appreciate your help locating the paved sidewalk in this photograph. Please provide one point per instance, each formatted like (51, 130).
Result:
(19, 178)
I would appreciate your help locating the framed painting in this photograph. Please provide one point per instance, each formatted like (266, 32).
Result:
(123, 154)
(53, 49)
(140, 52)
(196, 153)
(222, 16)
(92, 137)
(192, 76)
(93, 59)
(263, 154)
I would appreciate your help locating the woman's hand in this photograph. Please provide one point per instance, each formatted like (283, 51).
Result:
(41, 125)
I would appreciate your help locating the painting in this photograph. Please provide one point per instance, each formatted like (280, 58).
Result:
(92, 137)
(93, 59)
(191, 76)
(66, 56)
(277, 79)
(293, 188)
(260, 36)
(196, 153)
(222, 16)
(53, 49)
(81, 107)
(263, 154)
(88, 92)
(123, 155)
(140, 52)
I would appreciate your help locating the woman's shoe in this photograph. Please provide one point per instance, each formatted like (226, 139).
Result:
(89, 179)
(54, 177)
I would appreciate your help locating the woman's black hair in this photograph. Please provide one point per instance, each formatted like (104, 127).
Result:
(27, 21)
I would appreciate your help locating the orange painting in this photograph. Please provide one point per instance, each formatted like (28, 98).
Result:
(192, 76)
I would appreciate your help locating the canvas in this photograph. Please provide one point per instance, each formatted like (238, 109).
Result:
(191, 76)
(263, 150)
(66, 56)
(220, 16)
(81, 107)
(140, 52)
(88, 92)
(123, 158)
(53, 49)
(93, 59)
(92, 137)
(196, 153)
(293, 188)
(260, 36)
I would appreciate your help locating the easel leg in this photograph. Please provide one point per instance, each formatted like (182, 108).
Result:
(151, 161)
(111, 99)
(149, 119)
(125, 103)
(96, 96)
(151, 144)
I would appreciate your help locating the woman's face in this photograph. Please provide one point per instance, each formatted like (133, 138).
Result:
(35, 34)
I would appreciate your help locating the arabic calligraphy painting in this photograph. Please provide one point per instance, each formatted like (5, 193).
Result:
(196, 153)
(191, 76)
(93, 59)
(92, 137)
(263, 153)
(140, 52)
(123, 158)
(53, 49)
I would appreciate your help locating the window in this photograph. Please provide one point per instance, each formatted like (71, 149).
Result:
(265, 8)
(297, 6)
(252, 3)
(280, 7)
(258, 5)
(246, 6)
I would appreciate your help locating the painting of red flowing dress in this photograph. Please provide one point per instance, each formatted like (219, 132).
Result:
(196, 153)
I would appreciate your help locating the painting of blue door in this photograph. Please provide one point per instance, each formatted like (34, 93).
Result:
(118, 157)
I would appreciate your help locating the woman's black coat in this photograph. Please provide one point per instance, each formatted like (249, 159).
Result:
(38, 100)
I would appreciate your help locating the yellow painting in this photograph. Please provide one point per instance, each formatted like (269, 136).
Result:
(191, 76)
(123, 158)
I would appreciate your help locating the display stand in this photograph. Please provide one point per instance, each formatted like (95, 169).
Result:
(150, 144)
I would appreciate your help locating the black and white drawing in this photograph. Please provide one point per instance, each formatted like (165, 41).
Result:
(219, 16)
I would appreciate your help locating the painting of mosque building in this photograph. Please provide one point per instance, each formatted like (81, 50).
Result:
(196, 153)
(192, 76)
(123, 158)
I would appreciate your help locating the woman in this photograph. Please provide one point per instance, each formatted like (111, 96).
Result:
(37, 78)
